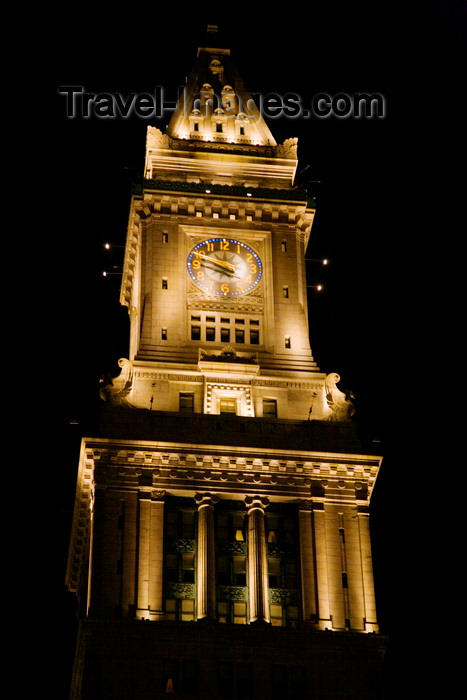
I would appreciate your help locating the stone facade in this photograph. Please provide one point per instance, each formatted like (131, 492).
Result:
(226, 485)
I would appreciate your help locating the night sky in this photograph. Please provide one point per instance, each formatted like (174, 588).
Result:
(384, 198)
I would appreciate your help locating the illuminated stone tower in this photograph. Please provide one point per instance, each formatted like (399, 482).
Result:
(220, 545)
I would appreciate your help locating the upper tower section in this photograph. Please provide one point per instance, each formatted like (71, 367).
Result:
(217, 134)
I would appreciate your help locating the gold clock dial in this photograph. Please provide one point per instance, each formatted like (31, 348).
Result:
(224, 266)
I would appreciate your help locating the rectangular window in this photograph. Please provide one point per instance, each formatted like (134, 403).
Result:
(239, 335)
(239, 571)
(284, 246)
(163, 333)
(287, 341)
(195, 332)
(196, 126)
(270, 408)
(165, 284)
(239, 611)
(225, 335)
(165, 237)
(225, 319)
(228, 406)
(210, 334)
(219, 128)
(274, 572)
(285, 292)
(276, 615)
(186, 402)
(188, 568)
(187, 609)
(254, 337)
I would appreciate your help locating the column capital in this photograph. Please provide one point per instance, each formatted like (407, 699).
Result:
(256, 503)
(206, 499)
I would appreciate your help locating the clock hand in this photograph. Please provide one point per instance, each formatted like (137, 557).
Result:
(222, 263)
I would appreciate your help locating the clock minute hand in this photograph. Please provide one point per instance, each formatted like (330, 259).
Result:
(221, 263)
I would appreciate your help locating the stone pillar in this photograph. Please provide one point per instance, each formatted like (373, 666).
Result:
(322, 572)
(307, 562)
(371, 624)
(257, 559)
(150, 556)
(206, 557)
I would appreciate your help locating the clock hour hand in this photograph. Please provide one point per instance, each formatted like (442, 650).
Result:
(216, 261)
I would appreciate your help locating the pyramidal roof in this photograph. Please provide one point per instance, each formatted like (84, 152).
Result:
(215, 96)
(217, 133)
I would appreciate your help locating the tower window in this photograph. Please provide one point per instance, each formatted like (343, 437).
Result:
(239, 335)
(254, 337)
(165, 237)
(242, 131)
(196, 126)
(228, 406)
(210, 334)
(186, 402)
(219, 128)
(225, 335)
(163, 333)
(285, 292)
(195, 332)
(165, 284)
(287, 341)
(284, 246)
(270, 408)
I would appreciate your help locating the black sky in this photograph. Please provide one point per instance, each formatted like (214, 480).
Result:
(387, 193)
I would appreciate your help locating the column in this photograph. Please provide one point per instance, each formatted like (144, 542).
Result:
(206, 557)
(307, 563)
(371, 624)
(322, 573)
(150, 555)
(257, 559)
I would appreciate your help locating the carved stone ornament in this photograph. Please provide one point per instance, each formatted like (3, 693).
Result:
(288, 149)
(156, 139)
(331, 404)
(115, 390)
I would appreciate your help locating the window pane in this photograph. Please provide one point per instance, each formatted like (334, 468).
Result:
(228, 406)
(186, 402)
(270, 408)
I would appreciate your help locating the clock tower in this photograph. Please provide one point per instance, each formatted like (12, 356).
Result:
(226, 486)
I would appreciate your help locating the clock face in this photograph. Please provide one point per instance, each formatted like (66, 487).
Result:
(224, 266)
